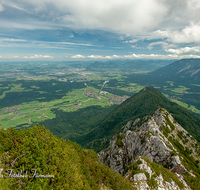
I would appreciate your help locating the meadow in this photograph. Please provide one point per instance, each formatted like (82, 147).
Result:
(31, 92)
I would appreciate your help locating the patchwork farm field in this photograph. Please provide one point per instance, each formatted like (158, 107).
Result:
(40, 93)
(27, 113)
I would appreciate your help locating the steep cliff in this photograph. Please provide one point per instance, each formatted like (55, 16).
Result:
(160, 140)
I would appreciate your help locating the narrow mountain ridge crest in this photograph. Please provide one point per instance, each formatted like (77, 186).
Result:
(158, 138)
(144, 103)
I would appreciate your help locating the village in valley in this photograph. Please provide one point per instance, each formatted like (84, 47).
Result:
(31, 93)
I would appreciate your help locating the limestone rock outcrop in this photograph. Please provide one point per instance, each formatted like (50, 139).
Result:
(148, 140)
(154, 139)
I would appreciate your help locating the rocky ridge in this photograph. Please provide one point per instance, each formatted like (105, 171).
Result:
(159, 139)
(149, 178)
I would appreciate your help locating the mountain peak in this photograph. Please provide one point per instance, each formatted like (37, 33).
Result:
(146, 102)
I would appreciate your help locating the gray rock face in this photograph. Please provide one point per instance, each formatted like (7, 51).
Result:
(147, 141)
(146, 168)
(163, 185)
(140, 180)
(139, 177)
(178, 167)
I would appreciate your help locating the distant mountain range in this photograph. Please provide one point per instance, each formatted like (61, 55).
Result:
(146, 102)
(137, 65)
(185, 69)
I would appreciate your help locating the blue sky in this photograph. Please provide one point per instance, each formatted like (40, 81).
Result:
(65, 30)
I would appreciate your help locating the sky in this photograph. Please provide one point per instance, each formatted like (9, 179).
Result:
(65, 30)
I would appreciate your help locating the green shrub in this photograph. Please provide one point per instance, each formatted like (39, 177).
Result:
(168, 122)
(119, 142)
(71, 166)
(166, 131)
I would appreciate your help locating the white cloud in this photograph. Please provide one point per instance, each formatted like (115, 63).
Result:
(160, 43)
(138, 56)
(1, 8)
(22, 43)
(108, 57)
(131, 41)
(38, 57)
(27, 57)
(13, 5)
(77, 56)
(159, 56)
(131, 56)
(16, 56)
(126, 17)
(174, 21)
(159, 34)
(11, 40)
(95, 56)
(71, 43)
(116, 56)
(185, 50)
(189, 34)
(26, 24)
(10, 57)
(105, 57)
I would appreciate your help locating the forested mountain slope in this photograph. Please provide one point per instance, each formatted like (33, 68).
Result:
(146, 102)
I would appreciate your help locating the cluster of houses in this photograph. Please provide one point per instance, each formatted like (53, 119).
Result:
(29, 120)
(12, 109)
